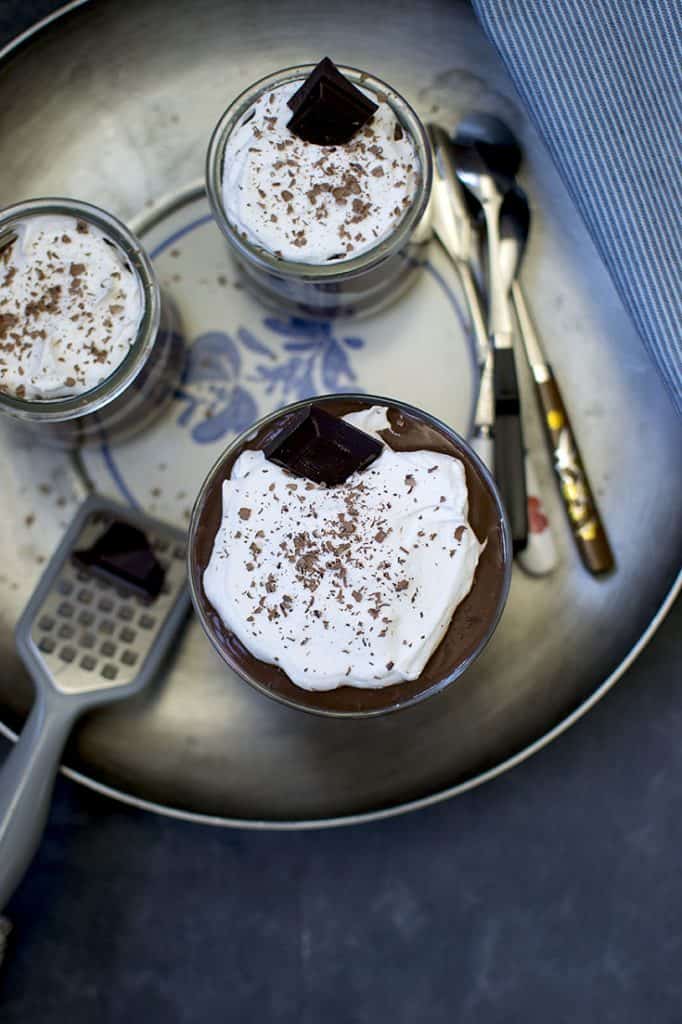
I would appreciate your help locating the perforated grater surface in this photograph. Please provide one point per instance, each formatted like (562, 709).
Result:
(86, 642)
(87, 632)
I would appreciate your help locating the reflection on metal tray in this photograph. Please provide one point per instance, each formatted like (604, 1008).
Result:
(123, 101)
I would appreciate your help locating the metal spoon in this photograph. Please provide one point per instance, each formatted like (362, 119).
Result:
(452, 226)
(540, 556)
(586, 524)
(503, 152)
(489, 187)
(453, 222)
(497, 142)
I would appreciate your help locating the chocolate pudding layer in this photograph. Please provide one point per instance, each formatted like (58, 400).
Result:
(473, 621)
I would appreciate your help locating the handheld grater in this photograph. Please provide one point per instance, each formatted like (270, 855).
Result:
(86, 641)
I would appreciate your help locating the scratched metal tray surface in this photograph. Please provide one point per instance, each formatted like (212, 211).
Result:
(114, 103)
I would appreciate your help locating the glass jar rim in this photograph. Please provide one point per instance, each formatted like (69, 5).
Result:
(336, 269)
(73, 406)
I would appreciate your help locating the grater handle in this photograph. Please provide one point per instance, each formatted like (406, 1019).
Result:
(26, 783)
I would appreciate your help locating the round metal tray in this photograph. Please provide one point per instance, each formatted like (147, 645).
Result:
(114, 104)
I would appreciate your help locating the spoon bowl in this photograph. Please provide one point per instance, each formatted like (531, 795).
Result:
(476, 173)
(497, 143)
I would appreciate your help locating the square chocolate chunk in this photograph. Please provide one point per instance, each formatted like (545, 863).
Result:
(322, 447)
(122, 555)
(328, 108)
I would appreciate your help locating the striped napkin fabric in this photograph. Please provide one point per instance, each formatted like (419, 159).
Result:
(601, 80)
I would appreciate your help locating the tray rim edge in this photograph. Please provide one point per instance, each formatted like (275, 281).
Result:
(393, 810)
(365, 817)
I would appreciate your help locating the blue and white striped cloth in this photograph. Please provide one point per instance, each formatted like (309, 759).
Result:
(601, 79)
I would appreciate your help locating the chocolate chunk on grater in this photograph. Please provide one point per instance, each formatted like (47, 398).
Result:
(122, 554)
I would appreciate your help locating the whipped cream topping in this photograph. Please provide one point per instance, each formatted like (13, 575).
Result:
(70, 308)
(311, 204)
(353, 585)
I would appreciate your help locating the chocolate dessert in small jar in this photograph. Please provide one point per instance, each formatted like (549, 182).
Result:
(89, 351)
(349, 555)
(318, 177)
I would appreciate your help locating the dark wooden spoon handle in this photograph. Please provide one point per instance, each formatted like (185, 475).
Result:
(510, 469)
(576, 492)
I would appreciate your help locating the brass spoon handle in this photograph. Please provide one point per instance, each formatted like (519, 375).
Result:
(585, 521)
(583, 515)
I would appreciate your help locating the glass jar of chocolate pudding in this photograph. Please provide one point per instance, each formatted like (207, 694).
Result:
(320, 230)
(358, 597)
(89, 351)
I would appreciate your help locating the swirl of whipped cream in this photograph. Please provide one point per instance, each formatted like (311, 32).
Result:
(353, 585)
(311, 204)
(70, 308)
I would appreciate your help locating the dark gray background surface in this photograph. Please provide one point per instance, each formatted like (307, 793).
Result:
(552, 894)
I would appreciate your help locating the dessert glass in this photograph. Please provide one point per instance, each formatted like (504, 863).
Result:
(139, 388)
(358, 285)
(473, 622)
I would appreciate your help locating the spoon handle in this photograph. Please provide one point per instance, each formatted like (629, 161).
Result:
(476, 311)
(581, 508)
(510, 471)
(499, 314)
(540, 557)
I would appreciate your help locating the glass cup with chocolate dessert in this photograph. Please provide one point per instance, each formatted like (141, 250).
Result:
(88, 349)
(349, 555)
(317, 177)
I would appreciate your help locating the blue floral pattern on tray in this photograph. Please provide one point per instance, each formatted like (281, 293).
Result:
(300, 358)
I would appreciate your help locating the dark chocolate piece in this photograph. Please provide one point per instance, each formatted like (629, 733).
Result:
(123, 555)
(322, 447)
(328, 109)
